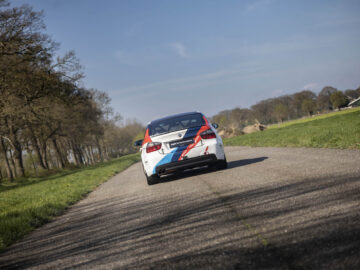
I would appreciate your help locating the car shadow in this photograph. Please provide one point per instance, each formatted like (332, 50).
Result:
(208, 169)
(244, 162)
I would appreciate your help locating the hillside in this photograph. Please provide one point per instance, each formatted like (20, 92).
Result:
(335, 130)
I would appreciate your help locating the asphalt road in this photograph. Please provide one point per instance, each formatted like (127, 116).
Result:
(273, 208)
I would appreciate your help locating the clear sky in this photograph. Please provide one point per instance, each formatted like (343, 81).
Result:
(156, 58)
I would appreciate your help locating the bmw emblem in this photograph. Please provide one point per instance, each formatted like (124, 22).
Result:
(179, 135)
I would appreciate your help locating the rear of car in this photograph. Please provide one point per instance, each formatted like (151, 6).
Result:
(180, 142)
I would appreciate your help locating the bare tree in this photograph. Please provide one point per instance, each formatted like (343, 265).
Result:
(43, 110)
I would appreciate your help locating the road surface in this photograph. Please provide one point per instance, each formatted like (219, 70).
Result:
(273, 208)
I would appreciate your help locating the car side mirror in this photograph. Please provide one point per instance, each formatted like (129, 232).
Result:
(138, 143)
(215, 125)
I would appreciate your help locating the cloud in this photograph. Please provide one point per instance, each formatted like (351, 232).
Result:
(297, 43)
(188, 85)
(311, 86)
(258, 4)
(191, 81)
(277, 92)
(179, 49)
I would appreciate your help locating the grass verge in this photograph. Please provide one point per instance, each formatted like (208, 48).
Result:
(335, 130)
(31, 202)
(314, 117)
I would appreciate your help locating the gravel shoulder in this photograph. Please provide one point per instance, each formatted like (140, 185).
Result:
(273, 208)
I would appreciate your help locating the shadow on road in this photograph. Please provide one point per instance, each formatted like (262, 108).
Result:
(244, 162)
(310, 223)
(207, 169)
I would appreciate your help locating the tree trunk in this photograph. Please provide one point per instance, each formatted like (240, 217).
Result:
(91, 154)
(37, 149)
(19, 166)
(51, 162)
(33, 163)
(12, 163)
(64, 152)
(57, 150)
(77, 154)
(86, 155)
(45, 156)
(81, 155)
(99, 149)
(72, 152)
(7, 164)
(94, 155)
(105, 152)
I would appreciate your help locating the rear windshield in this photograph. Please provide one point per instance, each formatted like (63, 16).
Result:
(172, 124)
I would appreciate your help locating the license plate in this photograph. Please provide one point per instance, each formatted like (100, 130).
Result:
(179, 143)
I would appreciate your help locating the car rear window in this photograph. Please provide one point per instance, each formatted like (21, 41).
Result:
(172, 124)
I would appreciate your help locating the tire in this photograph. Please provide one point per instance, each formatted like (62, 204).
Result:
(153, 179)
(222, 164)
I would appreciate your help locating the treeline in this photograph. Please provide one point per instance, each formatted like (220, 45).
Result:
(47, 120)
(283, 108)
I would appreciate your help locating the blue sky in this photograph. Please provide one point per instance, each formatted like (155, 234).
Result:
(155, 58)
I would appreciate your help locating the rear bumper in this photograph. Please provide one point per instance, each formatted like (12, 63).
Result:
(186, 164)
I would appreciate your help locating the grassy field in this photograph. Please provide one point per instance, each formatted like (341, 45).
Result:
(29, 203)
(333, 130)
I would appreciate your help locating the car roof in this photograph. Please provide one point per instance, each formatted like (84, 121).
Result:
(173, 116)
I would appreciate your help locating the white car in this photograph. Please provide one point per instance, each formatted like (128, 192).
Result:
(180, 142)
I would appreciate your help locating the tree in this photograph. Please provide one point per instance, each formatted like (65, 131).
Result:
(263, 111)
(338, 99)
(43, 110)
(23, 48)
(298, 99)
(239, 118)
(281, 112)
(234, 120)
(351, 94)
(323, 102)
(308, 106)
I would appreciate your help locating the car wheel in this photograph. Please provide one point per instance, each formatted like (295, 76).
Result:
(153, 179)
(222, 164)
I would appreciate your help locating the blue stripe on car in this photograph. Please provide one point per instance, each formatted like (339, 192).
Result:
(176, 153)
(165, 159)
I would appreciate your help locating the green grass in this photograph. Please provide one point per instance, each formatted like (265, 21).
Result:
(334, 130)
(29, 203)
(314, 117)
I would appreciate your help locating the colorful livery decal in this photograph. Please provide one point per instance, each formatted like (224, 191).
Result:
(167, 159)
(176, 139)
(147, 138)
(197, 139)
(177, 153)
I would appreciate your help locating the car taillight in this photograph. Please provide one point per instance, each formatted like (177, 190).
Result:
(208, 134)
(153, 146)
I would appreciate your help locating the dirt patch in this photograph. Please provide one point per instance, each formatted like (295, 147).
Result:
(253, 128)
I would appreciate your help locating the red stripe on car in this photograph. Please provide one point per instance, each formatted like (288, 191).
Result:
(196, 140)
(147, 138)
